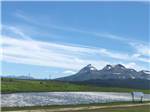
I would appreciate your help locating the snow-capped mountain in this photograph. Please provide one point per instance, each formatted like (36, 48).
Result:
(118, 71)
(87, 69)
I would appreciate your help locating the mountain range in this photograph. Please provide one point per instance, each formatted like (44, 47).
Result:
(118, 71)
(18, 77)
(111, 75)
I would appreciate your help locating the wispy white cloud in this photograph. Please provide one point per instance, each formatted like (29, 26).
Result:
(115, 55)
(106, 35)
(16, 31)
(53, 54)
(61, 55)
(134, 65)
(70, 72)
(141, 49)
(77, 49)
(44, 54)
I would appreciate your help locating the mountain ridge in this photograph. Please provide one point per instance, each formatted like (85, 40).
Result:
(118, 71)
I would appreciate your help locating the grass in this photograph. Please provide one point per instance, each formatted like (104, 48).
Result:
(114, 109)
(9, 85)
(145, 108)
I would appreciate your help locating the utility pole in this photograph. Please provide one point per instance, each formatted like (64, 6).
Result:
(29, 75)
(49, 76)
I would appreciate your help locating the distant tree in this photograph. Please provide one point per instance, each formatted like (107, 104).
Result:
(41, 82)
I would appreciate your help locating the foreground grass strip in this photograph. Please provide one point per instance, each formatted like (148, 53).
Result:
(67, 106)
(69, 109)
(143, 108)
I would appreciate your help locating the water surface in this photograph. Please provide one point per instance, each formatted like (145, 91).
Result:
(63, 98)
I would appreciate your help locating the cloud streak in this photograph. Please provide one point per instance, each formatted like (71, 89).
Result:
(32, 20)
(142, 50)
(44, 54)
(55, 55)
(61, 55)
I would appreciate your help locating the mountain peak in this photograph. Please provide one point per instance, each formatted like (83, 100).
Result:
(90, 67)
(120, 66)
(107, 67)
(87, 68)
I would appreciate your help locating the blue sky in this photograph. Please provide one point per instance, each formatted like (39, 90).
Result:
(59, 38)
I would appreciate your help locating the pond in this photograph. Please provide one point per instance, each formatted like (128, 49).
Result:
(63, 98)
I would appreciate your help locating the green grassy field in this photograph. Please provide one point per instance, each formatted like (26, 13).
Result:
(144, 108)
(14, 85)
